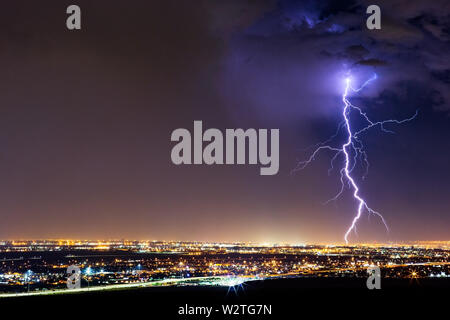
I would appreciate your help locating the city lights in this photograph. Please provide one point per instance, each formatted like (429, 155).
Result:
(164, 263)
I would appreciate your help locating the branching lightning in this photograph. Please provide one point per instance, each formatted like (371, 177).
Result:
(351, 151)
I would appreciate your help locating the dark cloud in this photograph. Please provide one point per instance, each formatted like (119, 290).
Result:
(372, 62)
(356, 52)
(412, 44)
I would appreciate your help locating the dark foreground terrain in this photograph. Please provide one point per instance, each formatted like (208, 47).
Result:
(287, 298)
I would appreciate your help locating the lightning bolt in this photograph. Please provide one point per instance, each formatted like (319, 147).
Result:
(351, 150)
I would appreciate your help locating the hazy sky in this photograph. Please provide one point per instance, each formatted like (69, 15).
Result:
(86, 118)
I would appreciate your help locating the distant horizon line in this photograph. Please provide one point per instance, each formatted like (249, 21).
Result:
(223, 242)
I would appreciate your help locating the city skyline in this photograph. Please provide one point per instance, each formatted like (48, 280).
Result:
(42, 268)
(103, 243)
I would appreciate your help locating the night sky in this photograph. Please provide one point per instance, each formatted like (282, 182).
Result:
(86, 118)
